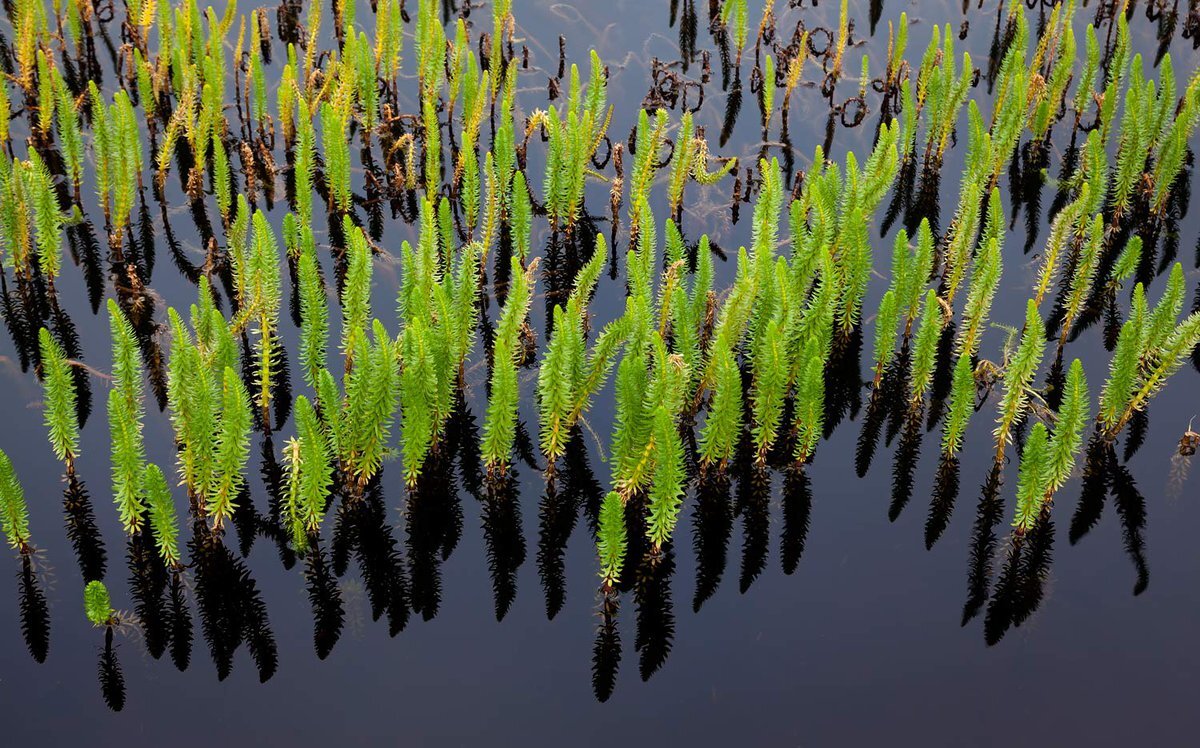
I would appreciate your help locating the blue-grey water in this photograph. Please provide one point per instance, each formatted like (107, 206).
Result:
(861, 644)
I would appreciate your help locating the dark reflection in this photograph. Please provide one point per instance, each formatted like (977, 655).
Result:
(462, 440)
(926, 200)
(843, 379)
(942, 500)
(503, 538)
(655, 610)
(434, 521)
(85, 251)
(999, 615)
(797, 511)
(1055, 380)
(868, 437)
(557, 516)
(1031, 162)
(246, 521)
(638, 545)
(1070, 162)
(325, 597)
(145, 239)
(1131, 509)
(712, 523)
(606, 652)
(1035, 570)
(902, 192)
(688, 23)
(17, 322)
(1020, 587)
(753, 505)
(894, 392)
(907, 454)
(874, 13)
(1135, 435)
(231, 608)
(364, 529)
(82, 530)
(1097, 475)
(943, 375)
(523, 442)
(983, 543)
(180, 616)
(271, 524)
(112, 680)
(35, 613)
(733, 106)
(148, 585)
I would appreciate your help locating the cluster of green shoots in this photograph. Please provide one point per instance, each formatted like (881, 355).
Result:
(745, 365)
(14, 513)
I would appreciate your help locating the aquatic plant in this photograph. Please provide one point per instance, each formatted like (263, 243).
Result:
(96, 604)
(314, 307)
(1055, 52)
(210, 411)
(746, 366)
(335, 144)
(664, 452)
(360, 430)
(720, 375)
(611, 539)
(1171, 145)
(254, 252)
(309, 475)
(574, 135)
(14, 513)
(1152, 346)
(570, 375)
(814, 343)
(1019, 371)
(118, 152)
(735, 15)
(1048, 459)
(962, 405)
(941, 90)
(163, 519)
(1033, 477)
(125, 412)
(438, 303)
(924, 358)
(70, 134)
(59, 403)
(985, 280)
(499, 425)
(1081, 280)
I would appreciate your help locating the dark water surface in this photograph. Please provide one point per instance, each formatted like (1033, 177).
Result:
(861, 643)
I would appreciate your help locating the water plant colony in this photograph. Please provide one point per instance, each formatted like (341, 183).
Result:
(710, 384)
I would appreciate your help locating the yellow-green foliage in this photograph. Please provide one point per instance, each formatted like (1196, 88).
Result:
(665, 450)
(125, 410)
(163, 519)
(500, 423)
(569, 375)
(309, 475)
(14, 514)
(59, 402)
(611, 538)
(96, 604)
(1018, 376)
